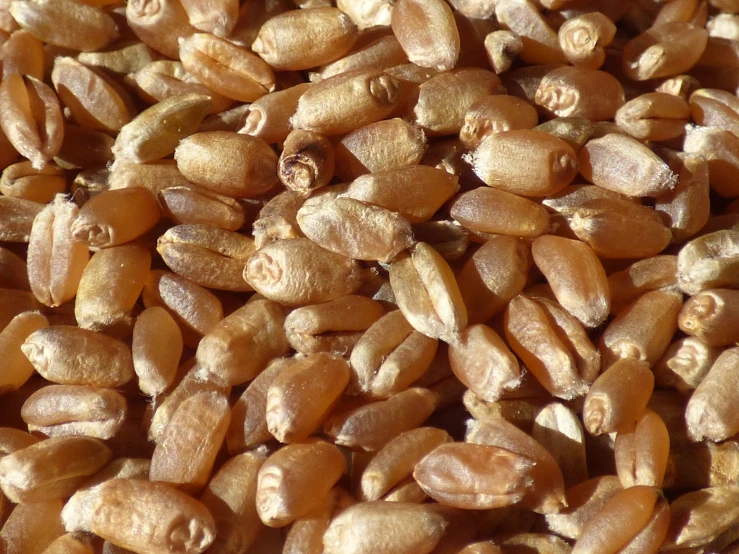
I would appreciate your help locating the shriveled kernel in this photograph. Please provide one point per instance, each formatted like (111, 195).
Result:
(56, 259)
(427, 32)
(51, 469)
(228, 163)
(32, 120)
(242, 344)
(64, 410)
(356, 229)
(275, 271)
(576, 276)
(303, 394)
(370, 426)
(93, 99)
(622, 164)
(427, 293)
(618, 397)
(156, 132)
(110, 287)
(186, 453)
(115, 510)
(295, 479)
(226, 68)
(65, 23)
(206, 255)
(525, 162)
(306, 162)
(502, 47)
(475, 476)
(17, 369)
(346, 102)
(115, 217)
(284, 43)
(73, 356)
(156, 348)
(333, 326)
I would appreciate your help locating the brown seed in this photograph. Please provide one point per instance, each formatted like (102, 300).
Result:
(231, 498)
(661, 51)
(333, 326)
(13, 271)
(643, 329)
(70, 544)
(33, 119)
(275, 271)
(115, 509)
(370, 426)
(122, 59)
(709, 413)
(482, 361)
(642, 452)
(427, 293)
(268, 117)
(416, 192)
(448, 239)
(51, 469)
(252, 15)
(208, 256)
(685, 363)
(56, 259)
(346, 102)
(295, 479)
(392, 527)
(474, 476)
(197, 206)
(583, 39)
(540, 42)
(156, 348)
(65, 23)
(618, 397)
(73, 356)
(301, 39)
(575, 131)
(576, 276)
(218, 18)
(17, 368)
(161, 79)
(196, 310)
(622, 164)
(559, 430)
(502, 47)
(356, 229)
(580, 92)
(545, 490)
(303, 394)
(186, 453)
(226, 68)
(631, 509)
(278, 219)
(488, 210)
(444, 99)
(711, 315)
(84, 148)
(242, 344)
(159, 24)
(248, 428)
(156, 132)
(228, 163)
(154, 176)
(306, 162)
(555, 167)
(110, 287)
(427, 32)
(116, 217)
(93, 99)
(390, 356)
(64, 410)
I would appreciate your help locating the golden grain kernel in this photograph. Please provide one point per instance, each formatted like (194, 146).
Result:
(583, 39)
(580, 92)
(427, 32)
(193, 205)
(21, 180)
(23, 53)
(159, 24)
(685, 363)
(17, 368)
(539, 40)
(662, 51)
